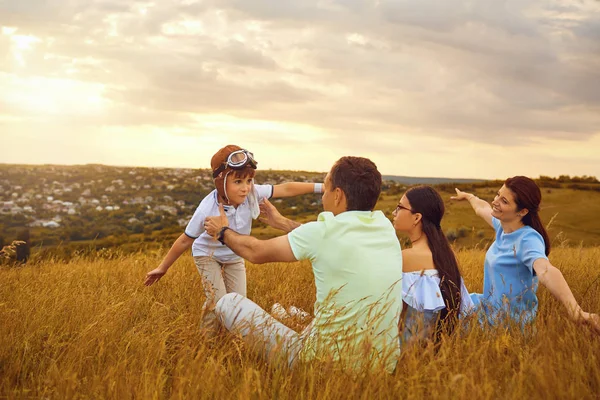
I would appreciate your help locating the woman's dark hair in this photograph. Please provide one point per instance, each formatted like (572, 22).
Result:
(528, 195)
(360, 181)
(426, 201)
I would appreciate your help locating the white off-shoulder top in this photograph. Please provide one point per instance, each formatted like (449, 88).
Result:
(421, 291)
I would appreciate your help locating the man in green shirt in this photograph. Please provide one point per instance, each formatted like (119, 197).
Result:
(357, 264)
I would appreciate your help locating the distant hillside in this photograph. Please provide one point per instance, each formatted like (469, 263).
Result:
(99, 206)
(412, 180)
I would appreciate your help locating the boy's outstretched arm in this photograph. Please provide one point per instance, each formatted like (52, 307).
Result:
(182, 243)
(291, 189)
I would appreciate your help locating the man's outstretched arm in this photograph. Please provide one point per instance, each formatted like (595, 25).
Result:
(254, 250)
(259, 251)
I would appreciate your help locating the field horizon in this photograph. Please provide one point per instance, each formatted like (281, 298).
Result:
(64, 210)
(406, 179)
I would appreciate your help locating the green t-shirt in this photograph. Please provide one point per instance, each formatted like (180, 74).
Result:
(357, 263)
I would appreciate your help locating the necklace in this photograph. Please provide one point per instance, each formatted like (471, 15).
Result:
(417, 239)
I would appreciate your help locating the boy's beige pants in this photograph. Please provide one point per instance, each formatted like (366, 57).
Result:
(218, 279)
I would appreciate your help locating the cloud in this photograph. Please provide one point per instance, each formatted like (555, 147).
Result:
(500, 73)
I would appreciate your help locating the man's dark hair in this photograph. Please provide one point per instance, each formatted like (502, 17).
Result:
(360, 181)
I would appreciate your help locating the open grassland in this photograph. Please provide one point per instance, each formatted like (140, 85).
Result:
(573, 217)
(89, 329)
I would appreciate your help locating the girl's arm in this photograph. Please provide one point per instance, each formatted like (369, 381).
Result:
(291, 189)
(555, 282)
(482, 208)
(182, 243)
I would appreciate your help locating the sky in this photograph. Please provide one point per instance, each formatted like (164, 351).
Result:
(432, 88)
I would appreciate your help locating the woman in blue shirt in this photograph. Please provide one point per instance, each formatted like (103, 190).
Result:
(518, 258)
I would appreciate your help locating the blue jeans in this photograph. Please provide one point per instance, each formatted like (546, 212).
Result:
(418, 325)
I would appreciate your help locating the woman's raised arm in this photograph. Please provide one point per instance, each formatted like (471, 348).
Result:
(482, 208)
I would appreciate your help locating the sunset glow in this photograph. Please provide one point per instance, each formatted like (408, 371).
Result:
(430, 89)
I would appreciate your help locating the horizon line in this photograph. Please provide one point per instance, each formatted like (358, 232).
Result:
(266, 169)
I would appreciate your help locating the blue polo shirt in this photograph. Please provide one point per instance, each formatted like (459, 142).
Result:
(509, 281)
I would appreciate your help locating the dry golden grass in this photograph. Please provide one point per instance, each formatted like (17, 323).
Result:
(89, 329)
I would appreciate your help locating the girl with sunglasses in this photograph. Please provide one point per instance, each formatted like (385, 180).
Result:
(222, 270)
(432, 287)
(518, 258)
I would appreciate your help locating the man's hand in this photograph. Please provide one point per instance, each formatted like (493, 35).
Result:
(213, 225)
(154, 276)
(272, 217)
(269, 214)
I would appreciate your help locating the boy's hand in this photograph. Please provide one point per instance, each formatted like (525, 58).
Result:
(154, 276)
(213, 225)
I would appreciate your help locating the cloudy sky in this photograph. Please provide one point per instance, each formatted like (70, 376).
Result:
(456, 88)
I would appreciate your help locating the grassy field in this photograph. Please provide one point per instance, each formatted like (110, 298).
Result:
(571, 214)
(89, 329)
(574, 217)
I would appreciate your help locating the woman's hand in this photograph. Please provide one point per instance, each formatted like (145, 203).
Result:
(460, 195)
(593, 320)
(481, 207)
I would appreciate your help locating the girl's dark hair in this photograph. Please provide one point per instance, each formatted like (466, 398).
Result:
(426, 201)
(528, 195)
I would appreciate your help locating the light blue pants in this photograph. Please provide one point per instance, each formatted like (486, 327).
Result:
(418, 325)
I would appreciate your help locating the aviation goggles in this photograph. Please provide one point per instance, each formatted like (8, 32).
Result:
(237, 160)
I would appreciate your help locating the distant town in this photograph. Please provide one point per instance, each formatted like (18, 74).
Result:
(56, 204)
(71, 203)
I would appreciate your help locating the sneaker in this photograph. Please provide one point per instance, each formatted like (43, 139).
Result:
(298, 312)
(279, 312)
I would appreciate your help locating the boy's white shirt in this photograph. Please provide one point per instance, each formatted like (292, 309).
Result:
(240, 220)
(253, 202)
